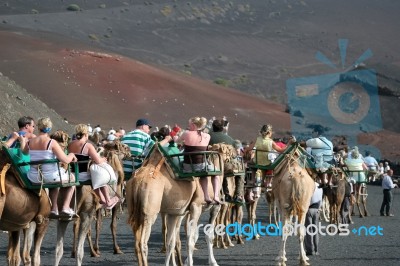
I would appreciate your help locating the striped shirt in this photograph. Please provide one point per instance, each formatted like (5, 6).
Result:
(140, 144)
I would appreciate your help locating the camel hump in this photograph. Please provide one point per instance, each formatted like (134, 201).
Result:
(21, 163)
(175, 160)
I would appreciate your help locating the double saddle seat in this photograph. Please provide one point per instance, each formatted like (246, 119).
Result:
(22, 163)
(175, 158)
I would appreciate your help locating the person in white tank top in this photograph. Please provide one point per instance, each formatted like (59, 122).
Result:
(42, 147)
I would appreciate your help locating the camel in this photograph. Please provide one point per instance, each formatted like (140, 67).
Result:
(360, 195)
(272, 206)
(21, 208)
(86, 203)
(230, 213)
(115, 152)
(335, 194)
(153, 189)
(293, 188)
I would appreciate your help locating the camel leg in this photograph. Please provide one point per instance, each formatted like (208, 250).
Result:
(358, 200)
(364, 200)
(40, 232)
(84, 227)
(164, 232)
(114, 223)
(61, 228)
(192, 232)
(13, 255)
(239, 220)
(142, 235)
(254, 216)
(282, 252)
(99, 224)
(301, 232)
(28, 240)
(227, 221)
(173, 223)
(210, 237)
(178, 244)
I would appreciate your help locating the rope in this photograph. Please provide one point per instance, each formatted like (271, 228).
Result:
(3, 178)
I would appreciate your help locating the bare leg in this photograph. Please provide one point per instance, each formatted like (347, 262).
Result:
(216, 188)
(104, 197)
(67, 192)
(204, 186)
(53, 194)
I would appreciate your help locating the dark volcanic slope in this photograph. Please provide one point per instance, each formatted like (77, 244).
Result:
(254, 46)
(84, 85)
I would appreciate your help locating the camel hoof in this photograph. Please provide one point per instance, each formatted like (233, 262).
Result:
(118, 251)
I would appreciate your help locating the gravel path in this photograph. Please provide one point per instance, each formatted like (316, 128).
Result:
(335, 250)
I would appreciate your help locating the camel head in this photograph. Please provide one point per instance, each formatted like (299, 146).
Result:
(61, 137)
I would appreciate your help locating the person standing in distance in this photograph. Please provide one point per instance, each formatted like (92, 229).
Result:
(387, 185)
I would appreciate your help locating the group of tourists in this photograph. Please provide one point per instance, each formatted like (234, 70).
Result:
(43, 147)
(199, 134)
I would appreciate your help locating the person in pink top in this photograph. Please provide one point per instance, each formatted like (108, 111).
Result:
(195, 140)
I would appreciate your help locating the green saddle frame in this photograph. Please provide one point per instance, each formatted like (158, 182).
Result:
(175, 161)
(21, 163)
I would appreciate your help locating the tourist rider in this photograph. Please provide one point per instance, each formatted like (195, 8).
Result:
(195, 140)
(44, 148)
(217, 135)
(372, 165)
(322, 150)
(140, 144)
(267, 150)
(85, 151)
(26, 126)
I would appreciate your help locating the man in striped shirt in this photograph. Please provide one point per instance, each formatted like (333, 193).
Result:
(140, 144)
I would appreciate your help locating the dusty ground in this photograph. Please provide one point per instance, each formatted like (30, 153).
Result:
(352, 250)
(253, 46)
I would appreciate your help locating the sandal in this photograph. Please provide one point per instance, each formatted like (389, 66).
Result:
(113, 201)
(53, 215)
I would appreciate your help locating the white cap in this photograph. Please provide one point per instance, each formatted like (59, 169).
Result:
(111, 132)
(111, 137)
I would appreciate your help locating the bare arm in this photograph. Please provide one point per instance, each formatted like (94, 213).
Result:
(94, 155)
(55, 147)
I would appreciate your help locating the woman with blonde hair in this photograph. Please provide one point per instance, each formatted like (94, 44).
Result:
(195, 140)
(43, 147)
(85, 151)
(266, 145)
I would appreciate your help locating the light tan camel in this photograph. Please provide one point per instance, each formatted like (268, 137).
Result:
(86, 205)
(293, 187)
(115, 152)
(153, 190)
(19, 209)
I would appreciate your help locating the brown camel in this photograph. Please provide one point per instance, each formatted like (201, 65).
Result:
(230, 212)
(293, 188)
(335, 194)
(21, 208)
(153, 190)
